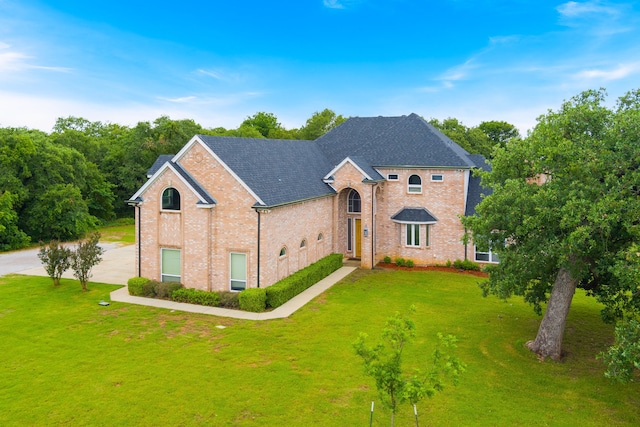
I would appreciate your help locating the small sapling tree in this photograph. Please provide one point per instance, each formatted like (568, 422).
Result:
(86, 256)
(56, 259)
(384, 364)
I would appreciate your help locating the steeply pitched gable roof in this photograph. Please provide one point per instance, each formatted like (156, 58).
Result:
(405, 141)
(277, 171)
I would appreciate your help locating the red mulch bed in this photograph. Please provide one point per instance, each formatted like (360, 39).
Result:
(392, 266)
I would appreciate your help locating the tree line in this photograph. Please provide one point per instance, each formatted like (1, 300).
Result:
(62, 184)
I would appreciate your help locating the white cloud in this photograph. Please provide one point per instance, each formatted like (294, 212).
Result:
(339, 4)
(180, 100)
(220, 75)
(11, 60)
(574, 9)
(620, 72)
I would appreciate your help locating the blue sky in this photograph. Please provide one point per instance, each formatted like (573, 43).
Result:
(218, 62)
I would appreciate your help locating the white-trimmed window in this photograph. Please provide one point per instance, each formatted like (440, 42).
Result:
(303, 244)
(238, 271)
(170, 265)
(283, 252)
(354, 202)
(486, 256)
(392, 177)
(171, 199)
(413, 234)
(437, 177)
(415, 184)
(319, 237)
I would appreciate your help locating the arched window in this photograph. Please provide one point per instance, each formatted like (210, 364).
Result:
(303, 244)
(171, 199)
(415, 184)
(283, 251)
(319, 237)
(354, 202)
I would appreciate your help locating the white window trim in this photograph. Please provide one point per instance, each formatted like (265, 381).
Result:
(490, 253)
(162, 275)
(397, 177)
(162, 209)
(417, 187)
(413, 228)
(245, 272)
(437, 180)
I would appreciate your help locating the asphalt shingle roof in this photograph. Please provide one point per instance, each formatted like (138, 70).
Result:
(405, 141)
(277, 171)
(415, 215)
(476, 191)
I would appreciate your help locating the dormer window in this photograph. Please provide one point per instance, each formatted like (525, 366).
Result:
(415, 184)
(171, 199)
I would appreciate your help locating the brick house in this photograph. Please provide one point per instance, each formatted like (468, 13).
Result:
(231, 213)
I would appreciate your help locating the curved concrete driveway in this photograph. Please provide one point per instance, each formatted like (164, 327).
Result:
(117, 265)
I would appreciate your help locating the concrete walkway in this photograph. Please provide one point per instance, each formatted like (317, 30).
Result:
(285, 310)
(118, 266)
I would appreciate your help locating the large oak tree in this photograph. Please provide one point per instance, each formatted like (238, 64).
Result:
(565, 213)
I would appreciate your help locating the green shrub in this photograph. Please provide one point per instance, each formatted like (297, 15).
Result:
(448, 263)
(287, 288)
(196, 296)
(166, 289)
(467, 264)
(387, 260)
(229, 299)
(409, 263)
(400, 262)
(253, 299)
(149, 288)
(135, 285)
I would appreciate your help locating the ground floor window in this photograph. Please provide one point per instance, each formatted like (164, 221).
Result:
(238, 271)
(170, 260)
(413, 234)
(486, 256)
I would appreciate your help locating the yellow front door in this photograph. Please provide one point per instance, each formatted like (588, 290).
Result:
(358, 232)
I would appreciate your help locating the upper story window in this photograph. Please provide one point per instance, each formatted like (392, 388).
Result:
(303, 244)
(436, 177)
(415, 184)
(283, 251)
(354, 202)
(392, 177)
(171, 199)
(319, 237)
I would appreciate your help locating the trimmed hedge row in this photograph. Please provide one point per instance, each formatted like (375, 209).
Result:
(143, 287)
(253, 299)
(196, 296)
(289, 287)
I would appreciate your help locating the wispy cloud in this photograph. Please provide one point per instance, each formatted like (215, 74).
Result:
(220, 75)
(575, 9)
(11, 60)
(180, 100)
(620, 72)
(596, 17)
(339, 4)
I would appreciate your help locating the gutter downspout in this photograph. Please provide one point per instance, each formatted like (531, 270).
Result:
(139, 241)
(373, 226)
(258, 269)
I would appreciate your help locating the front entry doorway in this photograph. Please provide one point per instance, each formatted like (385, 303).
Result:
(358, 237)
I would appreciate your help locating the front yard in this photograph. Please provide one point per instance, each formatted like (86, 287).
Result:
(68, 360)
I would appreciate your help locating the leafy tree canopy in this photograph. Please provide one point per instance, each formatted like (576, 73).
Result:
(564, 213)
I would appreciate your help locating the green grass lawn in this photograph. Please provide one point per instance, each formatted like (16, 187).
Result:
(67, 360)
(124, 233)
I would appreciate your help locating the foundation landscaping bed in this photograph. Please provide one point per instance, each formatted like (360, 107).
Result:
(252, 299)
